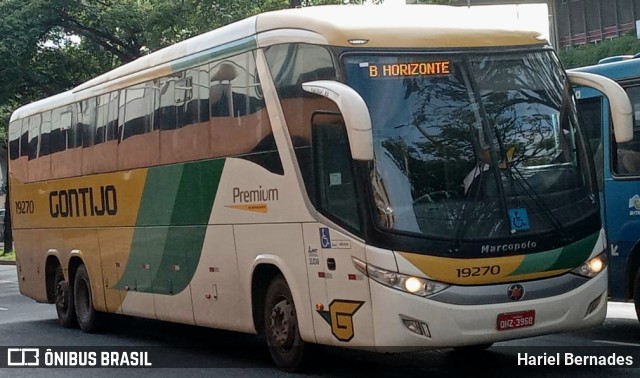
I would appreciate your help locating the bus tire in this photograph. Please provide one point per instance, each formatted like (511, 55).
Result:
(281, 327)
(65, 306)
(85, 312)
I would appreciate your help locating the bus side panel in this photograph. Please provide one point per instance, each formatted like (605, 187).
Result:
(115, 244)
(281, 245)
(142, 265)
(83, 243)
(30, 261)
(215, 286)
(174, 302)
(66, 163)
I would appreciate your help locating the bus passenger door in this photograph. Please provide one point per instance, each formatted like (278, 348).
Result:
(344, 318)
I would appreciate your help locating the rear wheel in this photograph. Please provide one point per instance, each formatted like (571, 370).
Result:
(281, 326)
(64, 300)
(85, 312)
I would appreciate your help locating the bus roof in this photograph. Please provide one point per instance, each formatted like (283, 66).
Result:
(412, 26)
(619, 71)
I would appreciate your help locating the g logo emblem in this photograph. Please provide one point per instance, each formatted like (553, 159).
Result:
(340, 318)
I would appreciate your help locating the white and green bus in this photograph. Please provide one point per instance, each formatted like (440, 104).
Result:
(359, 176)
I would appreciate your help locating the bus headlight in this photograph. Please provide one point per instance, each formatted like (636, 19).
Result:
(592, 267)
(408, 284)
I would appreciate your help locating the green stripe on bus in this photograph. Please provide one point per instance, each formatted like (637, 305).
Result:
(172, 224)
(198, 187)
(537, 262)
(159, 195)
(575, 254)
(215, 53)
(568, 257)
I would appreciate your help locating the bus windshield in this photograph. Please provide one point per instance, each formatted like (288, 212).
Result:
(473, 147)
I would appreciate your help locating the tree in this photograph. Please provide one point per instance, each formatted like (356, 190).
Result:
(590, 54)
(49, 46)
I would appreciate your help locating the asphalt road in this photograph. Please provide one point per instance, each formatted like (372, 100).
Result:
(198, 352)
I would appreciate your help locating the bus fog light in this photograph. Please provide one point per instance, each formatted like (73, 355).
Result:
(416, 326)
(425, 329)
(592, 267)
(593, 305)
(413, 326)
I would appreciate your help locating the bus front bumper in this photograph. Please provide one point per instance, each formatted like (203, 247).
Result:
(405, 322)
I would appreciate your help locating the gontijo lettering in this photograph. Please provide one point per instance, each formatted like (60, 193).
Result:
(83, 202)
(410, 69)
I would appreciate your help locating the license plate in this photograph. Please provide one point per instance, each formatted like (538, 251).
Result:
(513, 320)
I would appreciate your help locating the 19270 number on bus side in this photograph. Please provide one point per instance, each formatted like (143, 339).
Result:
(25, 207)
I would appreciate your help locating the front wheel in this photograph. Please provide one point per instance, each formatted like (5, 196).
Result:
(65, 307)
(85, 312)
(281, 326)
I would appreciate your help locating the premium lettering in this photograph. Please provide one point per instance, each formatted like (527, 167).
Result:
(255, 195)
(83, 202)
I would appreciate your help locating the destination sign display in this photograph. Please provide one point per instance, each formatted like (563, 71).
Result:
(409, 69)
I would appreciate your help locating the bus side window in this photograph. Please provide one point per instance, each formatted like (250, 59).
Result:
(138, 109)
(290, 66)
(336, 195)
(627, 155)
(66, 129)
(88, 121)
(45, 135)
(221, 92)
(590, 112)
(238, 113)
(183, 92)
(58, 141)
(101, 119)
(113, 113)
(34, 135)
(167, 112)
(14, 139)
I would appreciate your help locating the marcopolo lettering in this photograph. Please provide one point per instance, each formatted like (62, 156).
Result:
(83, 202)
(511, 247)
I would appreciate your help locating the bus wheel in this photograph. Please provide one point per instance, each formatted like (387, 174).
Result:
(85, 312)
(64, 300)
(281, 326)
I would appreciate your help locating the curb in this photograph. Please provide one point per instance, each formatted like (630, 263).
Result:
(3, 262)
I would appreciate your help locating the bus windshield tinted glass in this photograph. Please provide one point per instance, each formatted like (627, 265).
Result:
(473, 147)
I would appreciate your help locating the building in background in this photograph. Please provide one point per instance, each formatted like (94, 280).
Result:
(591, 21)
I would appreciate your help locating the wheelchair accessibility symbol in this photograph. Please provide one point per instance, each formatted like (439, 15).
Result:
(325, 239)
(519, 219)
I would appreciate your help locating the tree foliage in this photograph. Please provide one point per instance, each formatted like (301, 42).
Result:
(49, 46)
(590, 54)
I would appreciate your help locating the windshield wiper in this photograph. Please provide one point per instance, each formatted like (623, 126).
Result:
(529, 191)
